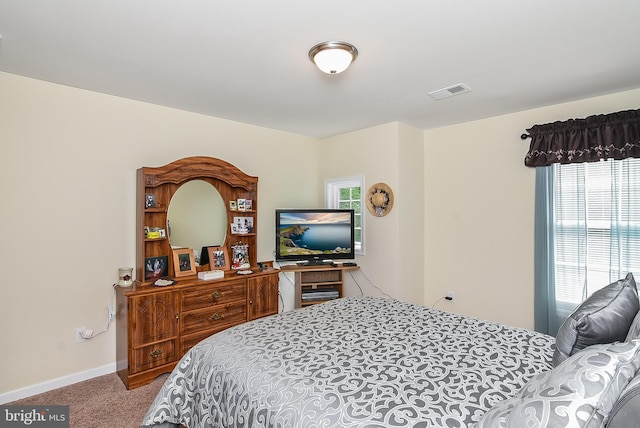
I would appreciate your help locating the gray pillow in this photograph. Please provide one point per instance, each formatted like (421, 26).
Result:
(605, 317)
(634, 330)
(626, 412)
(580, 393)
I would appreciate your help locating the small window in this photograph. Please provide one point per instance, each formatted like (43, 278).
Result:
(346, 193)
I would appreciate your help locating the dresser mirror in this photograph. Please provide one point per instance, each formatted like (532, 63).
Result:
(197, 216)
(193, 201)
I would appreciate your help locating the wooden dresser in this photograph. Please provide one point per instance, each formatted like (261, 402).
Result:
(156, 326)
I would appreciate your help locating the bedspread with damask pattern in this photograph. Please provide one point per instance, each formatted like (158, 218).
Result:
(352, 362)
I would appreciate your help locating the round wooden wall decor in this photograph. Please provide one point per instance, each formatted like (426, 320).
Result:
(380, 199)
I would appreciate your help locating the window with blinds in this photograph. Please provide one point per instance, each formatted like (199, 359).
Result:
(347, 193)
(596, 220)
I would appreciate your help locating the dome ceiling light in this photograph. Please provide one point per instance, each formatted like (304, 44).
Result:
(333, 57)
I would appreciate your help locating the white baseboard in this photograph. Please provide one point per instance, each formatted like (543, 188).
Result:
(49, 385)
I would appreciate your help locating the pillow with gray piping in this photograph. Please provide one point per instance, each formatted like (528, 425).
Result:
(605, 317)
(634, 330)
(587, 389)
(626, 412)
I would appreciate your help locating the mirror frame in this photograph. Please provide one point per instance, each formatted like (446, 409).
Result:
(231, 183)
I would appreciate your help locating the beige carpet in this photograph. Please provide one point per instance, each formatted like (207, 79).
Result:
(101, 402)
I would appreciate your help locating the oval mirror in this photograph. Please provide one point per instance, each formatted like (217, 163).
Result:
(197, 216)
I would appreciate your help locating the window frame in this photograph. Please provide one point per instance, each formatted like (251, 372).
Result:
(332, 188)
(598, 272)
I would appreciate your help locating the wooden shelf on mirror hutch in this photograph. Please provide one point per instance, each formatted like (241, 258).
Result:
(157, 325)
(157, 185)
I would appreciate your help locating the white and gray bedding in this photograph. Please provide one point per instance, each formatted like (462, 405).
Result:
(353, 362)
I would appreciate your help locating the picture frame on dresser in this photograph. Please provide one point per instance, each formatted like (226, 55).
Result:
(240, 256)
(218, 258)
(150, 200)
(184, 263)
(156, 267)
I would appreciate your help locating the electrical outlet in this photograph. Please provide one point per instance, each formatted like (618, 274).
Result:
(79, 331)
(450, 295)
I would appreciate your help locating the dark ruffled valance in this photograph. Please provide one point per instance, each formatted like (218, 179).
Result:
(605, 136)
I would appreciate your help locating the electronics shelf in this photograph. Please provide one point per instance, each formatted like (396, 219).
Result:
(317, 283)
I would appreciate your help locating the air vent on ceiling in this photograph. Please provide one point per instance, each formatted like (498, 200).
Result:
(458, 89)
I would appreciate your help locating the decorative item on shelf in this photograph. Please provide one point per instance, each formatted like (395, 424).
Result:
(183, 262)
(233, 205)
(164, 282)
(242, 225)
(156, 267)
(240, 258)
(248, 204)
(150, 200)
(211, 274)
(241, 204)
(380, 199)
(154, 233)
(218, 258)
(125, 276)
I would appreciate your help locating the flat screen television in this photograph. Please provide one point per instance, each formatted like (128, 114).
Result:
(314, 236)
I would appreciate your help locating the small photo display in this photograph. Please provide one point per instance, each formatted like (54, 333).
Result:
(242, 204)
(218, 258)
(248, 204)
(233, 205)
(242, 225)
(156, 267)
(240, 258)
(150, 200)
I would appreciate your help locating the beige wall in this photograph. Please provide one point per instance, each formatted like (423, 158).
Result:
(67, 170)
(68, 176)
(392, 265)
(479, 208)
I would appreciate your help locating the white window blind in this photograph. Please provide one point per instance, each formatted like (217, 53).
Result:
(597, 226)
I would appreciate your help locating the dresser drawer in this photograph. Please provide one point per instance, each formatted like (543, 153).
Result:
(214, 317)
(189, 341)
(153, 356)
(207, 296)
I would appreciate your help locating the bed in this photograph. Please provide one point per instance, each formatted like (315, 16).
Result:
(379, 362)
(353, 362)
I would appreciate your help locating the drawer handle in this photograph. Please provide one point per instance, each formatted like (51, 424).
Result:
(155, 353)
(216, 317)
(216, 295)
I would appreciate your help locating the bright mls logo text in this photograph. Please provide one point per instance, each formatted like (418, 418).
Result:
(38, 416)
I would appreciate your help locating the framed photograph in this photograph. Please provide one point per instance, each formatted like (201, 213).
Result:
(241, 204)
(150, 200)
(242, 225)
(248, 204)
(156, 267)
(183, 262)
(240, 256)
(233, 206)
(218, 258)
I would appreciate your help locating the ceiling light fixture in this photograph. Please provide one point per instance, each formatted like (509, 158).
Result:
(333, 57)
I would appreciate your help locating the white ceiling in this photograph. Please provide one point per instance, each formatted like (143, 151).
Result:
(246, 60)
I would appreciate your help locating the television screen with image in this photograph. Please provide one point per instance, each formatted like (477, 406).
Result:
(314, 236)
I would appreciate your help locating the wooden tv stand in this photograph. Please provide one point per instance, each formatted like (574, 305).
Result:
(317, 278)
